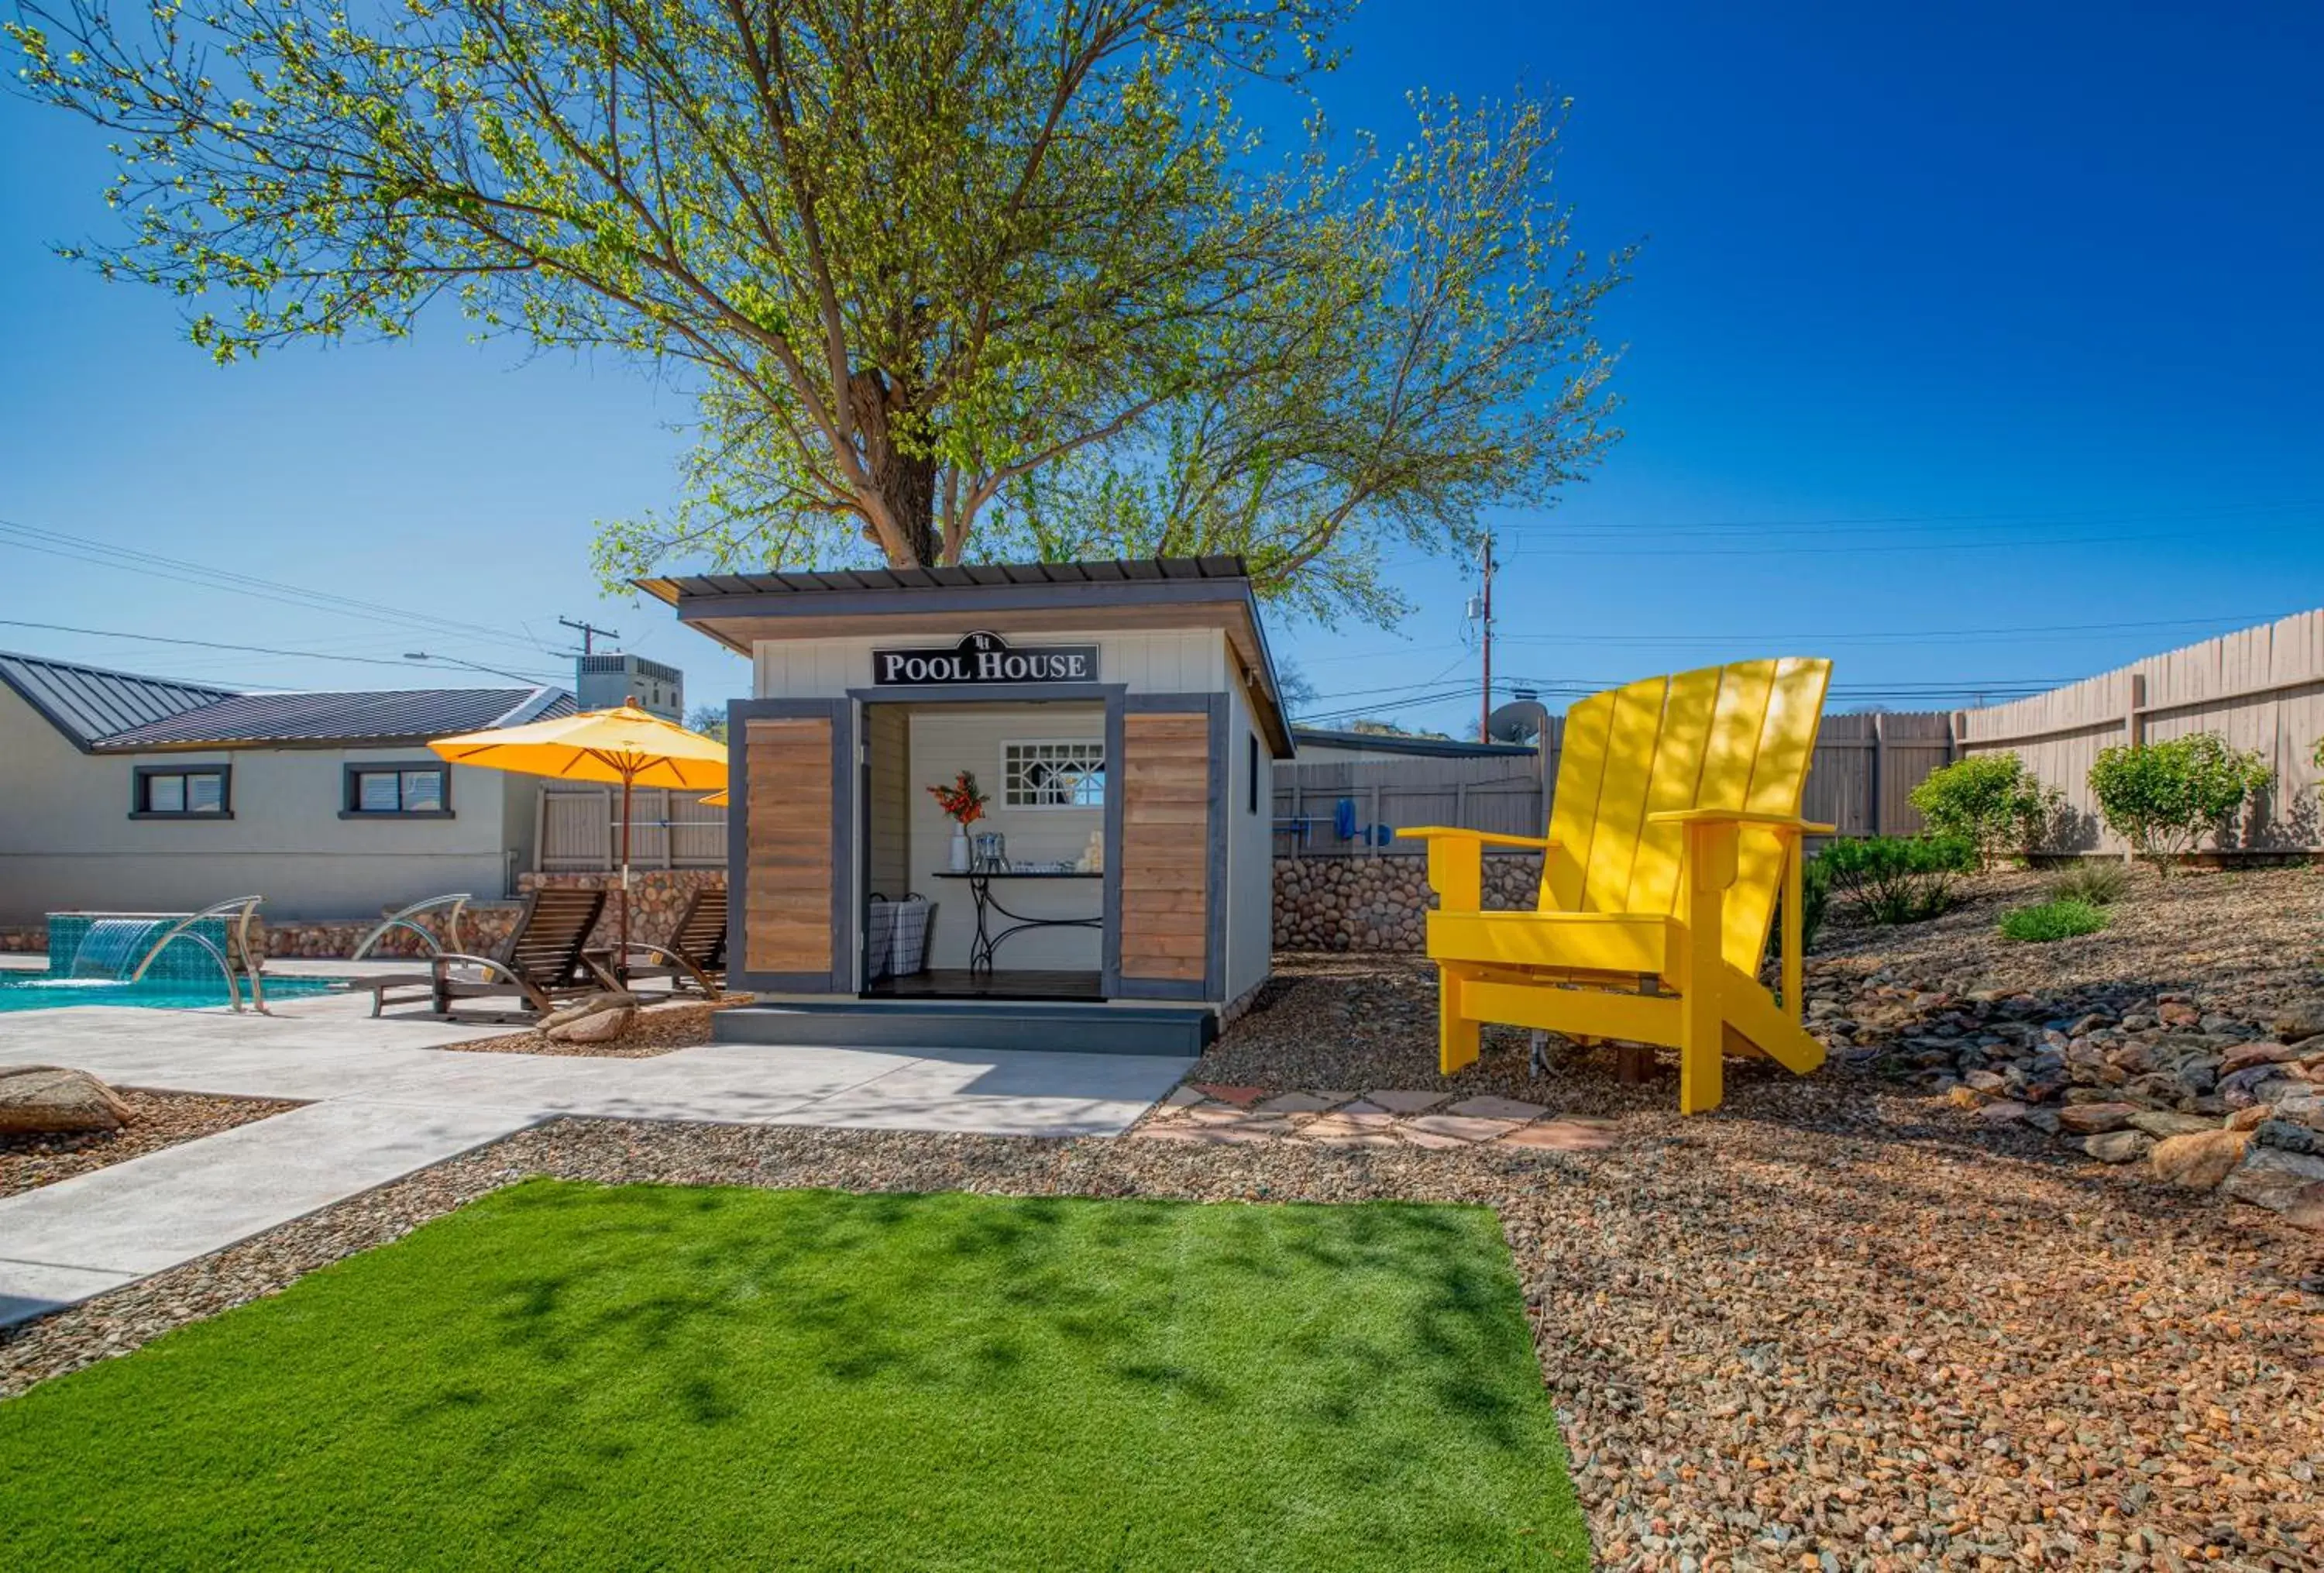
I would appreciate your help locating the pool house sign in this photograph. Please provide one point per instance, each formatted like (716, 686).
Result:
(985, 658)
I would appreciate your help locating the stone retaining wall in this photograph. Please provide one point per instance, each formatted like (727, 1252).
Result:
(1379, 903)
(1321, 904)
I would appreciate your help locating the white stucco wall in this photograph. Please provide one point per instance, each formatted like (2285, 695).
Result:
(67, 842)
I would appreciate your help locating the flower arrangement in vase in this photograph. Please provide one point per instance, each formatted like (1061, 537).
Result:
(964, 805)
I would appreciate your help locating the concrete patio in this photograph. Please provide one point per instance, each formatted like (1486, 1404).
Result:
(384, 1099)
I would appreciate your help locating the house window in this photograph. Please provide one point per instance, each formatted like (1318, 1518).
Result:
(1251, 800)
(397, 792)
(180, 794)
(1067, 773)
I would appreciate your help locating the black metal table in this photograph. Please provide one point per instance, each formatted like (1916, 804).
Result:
(980, 891)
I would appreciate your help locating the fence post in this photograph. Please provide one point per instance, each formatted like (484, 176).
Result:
(2134, 701)
(1298, 814)
(1879, 766)
(1371, 826)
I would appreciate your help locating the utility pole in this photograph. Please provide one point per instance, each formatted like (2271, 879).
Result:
(1485, 624)
(590, 634)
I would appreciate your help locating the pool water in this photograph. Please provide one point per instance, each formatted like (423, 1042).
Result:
(38, 991)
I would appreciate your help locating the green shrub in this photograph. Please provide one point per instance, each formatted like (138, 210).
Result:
(2163, 798)
(1992, 802)
(1897, 879)
(2093, 883)
(2052, 920)
(1815, 897)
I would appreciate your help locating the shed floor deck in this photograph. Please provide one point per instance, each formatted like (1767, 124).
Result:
(1004, 984)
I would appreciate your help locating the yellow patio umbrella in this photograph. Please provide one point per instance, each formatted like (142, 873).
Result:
(622, 744)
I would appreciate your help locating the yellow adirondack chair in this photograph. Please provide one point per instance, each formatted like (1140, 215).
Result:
(1674, 824)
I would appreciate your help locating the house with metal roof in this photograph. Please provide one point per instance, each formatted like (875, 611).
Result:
(124, 793)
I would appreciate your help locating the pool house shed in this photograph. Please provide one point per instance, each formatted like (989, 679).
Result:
(1120, 721)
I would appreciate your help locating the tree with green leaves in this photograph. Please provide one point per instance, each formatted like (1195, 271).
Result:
(950, 279)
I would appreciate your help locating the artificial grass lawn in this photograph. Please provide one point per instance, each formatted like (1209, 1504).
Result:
(566, 1374)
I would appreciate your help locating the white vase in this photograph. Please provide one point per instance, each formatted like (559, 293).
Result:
(960, 849)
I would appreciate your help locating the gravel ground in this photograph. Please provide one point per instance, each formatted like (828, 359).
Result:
(1772, 1342)
(678, 1023)
(2251, 940)
(1837, 1325)
(163, 1119)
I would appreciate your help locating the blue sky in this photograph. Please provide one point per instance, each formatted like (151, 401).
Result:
(1974, 346)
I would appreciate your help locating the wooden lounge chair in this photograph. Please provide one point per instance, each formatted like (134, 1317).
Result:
(1674, 825)
(695, 956)
(545, 960)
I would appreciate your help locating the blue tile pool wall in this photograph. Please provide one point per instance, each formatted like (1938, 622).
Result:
(186, 960)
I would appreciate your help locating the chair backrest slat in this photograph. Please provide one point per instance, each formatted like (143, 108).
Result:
(551, 932)
(1738, 736)
(701, 935)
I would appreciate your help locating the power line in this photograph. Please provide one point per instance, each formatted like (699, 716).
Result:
(2026, 631)
(404, 663)
(2105, 516)
(104, 554)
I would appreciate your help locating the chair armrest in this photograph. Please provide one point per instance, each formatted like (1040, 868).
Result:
(1740, 816)
(1484, 837)
(443, 960)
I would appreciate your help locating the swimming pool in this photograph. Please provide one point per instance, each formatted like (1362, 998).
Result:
(38, 991)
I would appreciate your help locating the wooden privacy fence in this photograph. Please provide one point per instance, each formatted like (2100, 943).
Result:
(1861, 780)
(580, 832)
(2259, 688)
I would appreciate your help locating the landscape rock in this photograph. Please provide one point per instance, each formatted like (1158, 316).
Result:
(2287, 1137)
(2200, 1160)
(2163, 1123)
(599, 1019)
(2090, 1119)
(2298, 1025)
(49, 1098)
(2118, 1146)
(2276, 1179)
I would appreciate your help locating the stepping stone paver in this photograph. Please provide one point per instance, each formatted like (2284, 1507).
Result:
(1295, 1103)
(1498, 1108)
(1240, 1097)
(1363, 1109)
(1560, 1136)
(1183, 1098)
(1460, 1127)
(1406, 1103)
(1332, 1132)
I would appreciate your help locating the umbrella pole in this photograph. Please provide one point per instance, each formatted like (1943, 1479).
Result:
(621, 955)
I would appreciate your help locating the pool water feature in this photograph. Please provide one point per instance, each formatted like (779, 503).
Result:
(93, 955)
(45, 991)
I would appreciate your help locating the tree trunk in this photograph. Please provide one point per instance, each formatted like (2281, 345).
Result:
(906, 482)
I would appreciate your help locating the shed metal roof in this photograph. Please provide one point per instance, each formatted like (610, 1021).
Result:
(364, 717)
(87, 703)
(966, 576)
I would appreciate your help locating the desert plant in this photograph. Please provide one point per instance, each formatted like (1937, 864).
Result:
(1897, 879)
(2053, 920)
(2095, 883)
(1992, 802)
(2163, 798)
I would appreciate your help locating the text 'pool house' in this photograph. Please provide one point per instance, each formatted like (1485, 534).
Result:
(1107, 731)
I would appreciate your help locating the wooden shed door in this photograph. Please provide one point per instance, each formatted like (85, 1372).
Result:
(1171, 863)
(791, 887)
